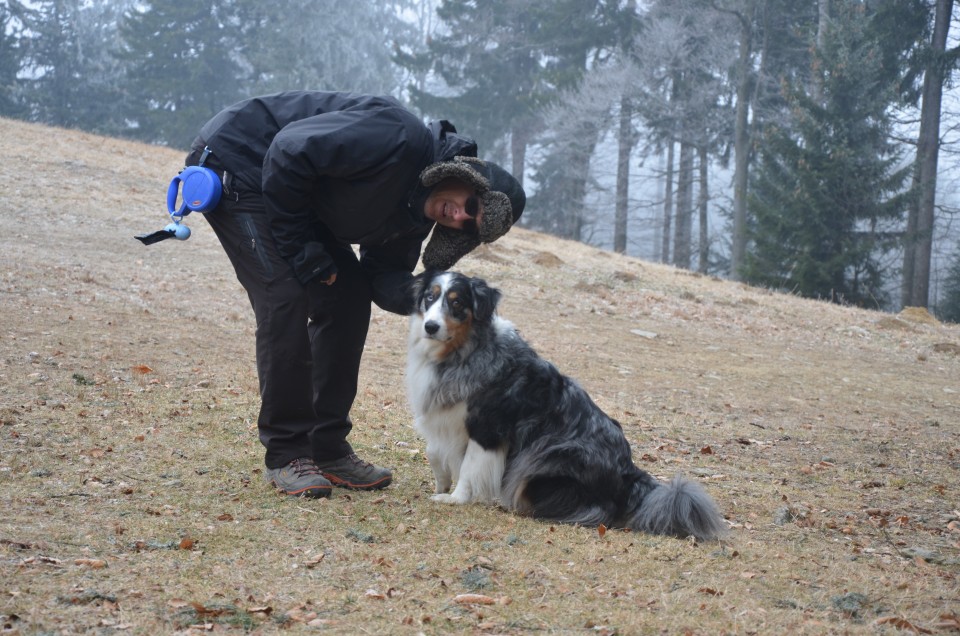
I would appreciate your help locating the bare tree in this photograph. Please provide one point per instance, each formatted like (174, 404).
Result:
(921, 217)
(685, 56)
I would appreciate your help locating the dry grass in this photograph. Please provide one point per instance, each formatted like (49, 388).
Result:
(130, 472)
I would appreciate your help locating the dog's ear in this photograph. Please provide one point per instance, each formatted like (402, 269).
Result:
(485, 299)
(415, 288)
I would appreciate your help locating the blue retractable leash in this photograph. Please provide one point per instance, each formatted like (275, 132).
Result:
(200, 191)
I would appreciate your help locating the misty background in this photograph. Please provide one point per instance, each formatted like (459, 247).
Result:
(802, 145)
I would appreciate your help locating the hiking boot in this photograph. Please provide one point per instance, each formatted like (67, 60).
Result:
(354, 473)
(299, 478)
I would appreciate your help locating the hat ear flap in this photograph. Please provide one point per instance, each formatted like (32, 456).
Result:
(497, 216)
(447, 246)
(485, 299)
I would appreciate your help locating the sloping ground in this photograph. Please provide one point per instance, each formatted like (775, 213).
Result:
(130, 473)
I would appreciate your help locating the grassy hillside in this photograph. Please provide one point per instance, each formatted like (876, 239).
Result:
(131, 475)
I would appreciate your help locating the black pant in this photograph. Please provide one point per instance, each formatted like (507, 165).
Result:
(309, 338)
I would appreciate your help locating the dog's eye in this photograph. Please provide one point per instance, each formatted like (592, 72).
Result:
(429, 297)
(456, 303)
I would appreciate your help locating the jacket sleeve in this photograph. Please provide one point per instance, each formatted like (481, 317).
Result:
(348, 145)
(390, 268)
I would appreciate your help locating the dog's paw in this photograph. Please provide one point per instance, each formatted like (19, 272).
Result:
(445, 498)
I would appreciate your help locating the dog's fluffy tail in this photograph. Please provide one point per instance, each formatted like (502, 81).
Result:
(681, 508)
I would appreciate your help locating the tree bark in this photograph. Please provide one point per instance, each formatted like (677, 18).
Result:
(702, 206)
(741, 150)
(626, 141)
(518, 153)
(667, 204)
(823, 23)
(681, 234)
(920, 222)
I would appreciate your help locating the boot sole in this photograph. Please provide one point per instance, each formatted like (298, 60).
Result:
(383, 482)
(310, 492)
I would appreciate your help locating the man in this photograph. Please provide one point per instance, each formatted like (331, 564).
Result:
(306, 175)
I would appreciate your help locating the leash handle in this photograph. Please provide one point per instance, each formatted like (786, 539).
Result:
(200, 191)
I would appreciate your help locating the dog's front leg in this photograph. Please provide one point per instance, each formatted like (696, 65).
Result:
(440, 468)
(480, 475)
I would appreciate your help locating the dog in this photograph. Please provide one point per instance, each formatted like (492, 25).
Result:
(504, 426)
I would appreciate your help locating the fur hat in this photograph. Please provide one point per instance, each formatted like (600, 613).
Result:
(500, 194)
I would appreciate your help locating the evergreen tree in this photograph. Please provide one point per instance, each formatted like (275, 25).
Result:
(69, 76)
(182, 66)
(828, 186)
(52, 59)
(324, 44)
(486, 70)
(11, 60)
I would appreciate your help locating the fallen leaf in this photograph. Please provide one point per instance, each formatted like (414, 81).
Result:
(706, 450)
(225, 517)
(710, 591)
(314, 561)
(601, 530)
(901, 623)
(96, 564)
(141, 369)
(301, 615)
(373, 594)
(187, 543)
(474, 599)
(949, 621)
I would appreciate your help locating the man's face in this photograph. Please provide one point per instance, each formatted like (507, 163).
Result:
(453, 204)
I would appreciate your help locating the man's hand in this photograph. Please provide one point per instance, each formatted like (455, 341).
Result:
(331, 280)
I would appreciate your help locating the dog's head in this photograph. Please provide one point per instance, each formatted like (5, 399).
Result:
(450, 305)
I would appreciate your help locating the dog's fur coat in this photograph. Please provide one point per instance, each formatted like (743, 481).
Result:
(507, 427)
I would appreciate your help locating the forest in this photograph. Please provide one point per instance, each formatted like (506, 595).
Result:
(806, 146)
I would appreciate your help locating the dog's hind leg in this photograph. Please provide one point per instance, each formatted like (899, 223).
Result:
(480, 475)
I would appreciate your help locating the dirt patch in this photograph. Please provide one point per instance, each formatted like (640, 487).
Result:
(131, 474)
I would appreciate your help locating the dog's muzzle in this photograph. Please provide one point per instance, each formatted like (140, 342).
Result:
(431, 327)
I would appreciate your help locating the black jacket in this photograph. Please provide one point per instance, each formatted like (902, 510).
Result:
(337, 167)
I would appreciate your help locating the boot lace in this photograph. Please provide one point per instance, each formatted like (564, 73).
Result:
(303, 467)
(359, 462)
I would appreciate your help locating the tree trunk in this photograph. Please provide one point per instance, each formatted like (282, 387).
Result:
(667, 205)
(578, 169)
(921, 216)
(681, 232)
(518, 152)
(626, 141)
(704, 256)
(741, 150)
(823, 23)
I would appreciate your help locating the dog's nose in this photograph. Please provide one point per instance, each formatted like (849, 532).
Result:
(431, 327)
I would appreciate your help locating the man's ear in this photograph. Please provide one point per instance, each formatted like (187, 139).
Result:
(485, 299)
